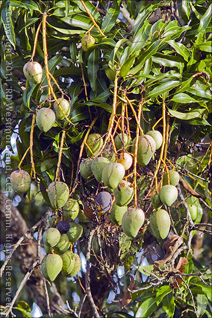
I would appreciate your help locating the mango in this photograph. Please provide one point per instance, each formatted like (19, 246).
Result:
(51, 266)
(157, 136)
(95, 143)
(71, 209)
(132, 221)
(97, 166)
(103, 201)
(156, 201)
(168, 194)
(33, 71)
(51, 236)
(122, 141)
(112, 174)
(85, 168)
(174, 177)
(77, 265)
(63, 244)
(193, 203)
(123, 193)
(58, 193)
(146, 149)
(116, 213)
(68, 262)
(87, 42)
(75, 232)
(109, 153)
(62, 110)
(20, 180)
(125, 159)
(45, 119)
(160, 224)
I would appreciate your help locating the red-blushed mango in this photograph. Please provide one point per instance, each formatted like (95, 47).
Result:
(45, 119)
(51, 266)
(112, 174)
(123, 193)
(87, 42)
(58, 193)
(146, 149)
(160, 223)
(20, 180)
(97, 166)
(63, 109)
(125, 159)
(33, 71)
(132, 221)
(168, 194)
(157, 136)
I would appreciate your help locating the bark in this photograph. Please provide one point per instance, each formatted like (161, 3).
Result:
(26, 253)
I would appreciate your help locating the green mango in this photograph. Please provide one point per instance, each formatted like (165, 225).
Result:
(109, 153)
(156, 201)
(77, 265)
(160, 224)
(85, 168)
(112, 174)
(63, 244)
(68, 262)
(87, 42)
(157, 136)
(193, 204)
(64, 105)
(20, 180)
(168, 194)
(116, 213)
(71, 209)
(58, 193)
(75, 232)
(123, 193)
(97, 166)
(95, 143)
(132, 221)
(173, 176)
(45, 119)
(122, 141)
(146, 149)
(51, 266)
(51, 236)
(33, 71)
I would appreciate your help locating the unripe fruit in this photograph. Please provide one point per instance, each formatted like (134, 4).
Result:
(103, 201)
(123, 193)
(51, 266)
(87, 42)
(156, 201)
(109, 153)
(116, 213)
(58, 193)
(125, 159)
(63, 244)
(193, 206)
(68, 262)
(71, 209)
(65, 105)
(77, 265)
(160, 224)
(173, 176)
(132, 221)
(63, 227)
(122, 141)
(146, 149)
(97, 166)
(168, 194)
(51, 236)
(85, 168)
(94, 142)
(20, 180)
(75, 232)
(33, 72)
(112, 174)
(45, 119)
(157, 136)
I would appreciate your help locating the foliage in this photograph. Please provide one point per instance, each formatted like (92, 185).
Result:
(150, 67)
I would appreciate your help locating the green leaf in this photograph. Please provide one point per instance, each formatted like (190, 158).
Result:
(53, 62)
(161, 293)
(205, 20)
(187, 116)
(139, 21)
(145, 269)
(168, 61)
(140, 38)
(183, 98)
(93, 67)
(125, 69)
(110, 19)
(168, 304)
(29, 22)
(147, 308)
(206, 47)
(186, 8)
(200, 90)
(202, 303)
(180, 49)
(31, 6)
(206, 289)
(160, 89)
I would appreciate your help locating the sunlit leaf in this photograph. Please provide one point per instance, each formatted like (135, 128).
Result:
(183, 98)
(146, 308)
(180, 48)
(187, 115)
(205, 20)
(110, 19)
(160, 89)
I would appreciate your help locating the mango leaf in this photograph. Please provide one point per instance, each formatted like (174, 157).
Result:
(110, 19)
(91, 8)
(93, 66)
(202, 303)
(146, 268)
(79, 21)
(187, 116)
(23, 4)
(206, 289)
(125, 69)
(180, 49)
(206, 47)
(168, 304)
(186, 8)
(139, 21)
(160, 89)
(185, 85)
(205, 20)
(183, 98)
(29, 22)
(147, 308)
(161, 293)
(140, 38)
(167, 61)
(200, 90)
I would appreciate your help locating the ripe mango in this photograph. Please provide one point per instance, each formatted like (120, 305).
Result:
(112, 174)
(123, 193)
(75, 232)
(85, 168)
(20, 180)
(174, 177)
(51, 236)
(125, 159)
(157, 136)
(168, 194)
(65, 105)
(45, 119)
(160, 223)
(132, 221)
(146, 149)
(116, 213)
(94, 142)
(97, 166)
(51, 266)
(103, 201)
(58, 193)
(33, 71)
(71, 209)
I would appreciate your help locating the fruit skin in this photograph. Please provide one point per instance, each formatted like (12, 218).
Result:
(125, 159)
(123, 193)
(146, 149)
(168, 194)
(51, 266)
(157, 136)
(97, 166)
(174, 177)
(75, 232)
(71, 209)
(51, 236)
(122, 137)
(156, 201)
(132, 221)
(87, 42)
(45, 119)
(33, 71)
(112, 174)
(63, 227)
(77, 265)
(68, 262)
(109, 153)
(193, 203)
(95, 142)
(85, 168)
(116, 213)
(160, 224)
(20, 180)
(63, 244)
(103, 201)
(58, 193)
(65, 105)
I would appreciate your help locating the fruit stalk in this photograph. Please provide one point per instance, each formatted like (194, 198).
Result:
(60, 156)
(35, 42)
